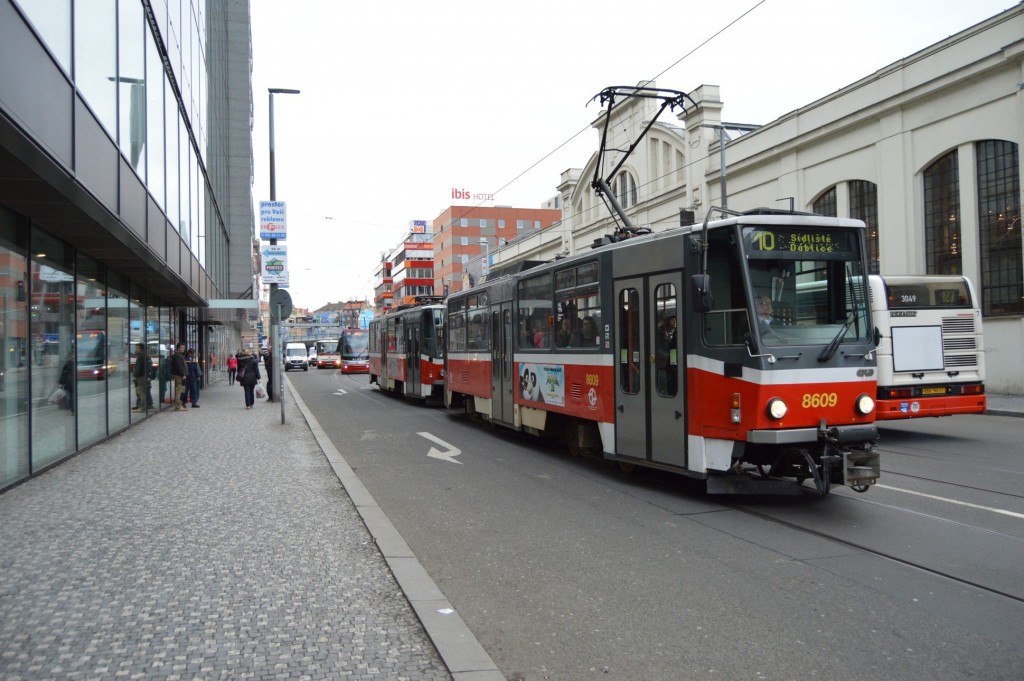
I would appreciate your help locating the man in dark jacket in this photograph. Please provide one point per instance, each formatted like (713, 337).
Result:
(141, 373)
(179, 372)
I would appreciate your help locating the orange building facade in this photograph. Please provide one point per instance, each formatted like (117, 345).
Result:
(463, 233)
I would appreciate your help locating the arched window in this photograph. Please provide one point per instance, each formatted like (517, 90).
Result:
(625, 189)
(999, 226)
(826, 203)
(942, 215)
(864, 206)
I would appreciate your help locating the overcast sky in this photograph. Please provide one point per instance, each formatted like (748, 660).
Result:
(404, 100)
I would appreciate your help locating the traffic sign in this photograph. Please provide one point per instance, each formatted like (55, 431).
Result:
(284, 299)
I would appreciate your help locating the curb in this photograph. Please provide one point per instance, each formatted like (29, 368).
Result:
(465, 658)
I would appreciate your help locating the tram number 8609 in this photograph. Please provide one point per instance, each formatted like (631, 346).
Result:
(817, 400)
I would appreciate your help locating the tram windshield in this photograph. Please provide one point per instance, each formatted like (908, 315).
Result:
(808, 286)
(354, 345)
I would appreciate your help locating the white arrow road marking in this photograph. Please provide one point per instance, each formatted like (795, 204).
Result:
(341, 391)
(434, 453)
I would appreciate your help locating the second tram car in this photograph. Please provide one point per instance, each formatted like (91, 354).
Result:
(686, 350)
(407, 349)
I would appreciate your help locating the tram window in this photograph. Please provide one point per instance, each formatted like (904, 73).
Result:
(476, 337)
(578, 307)
(728, 320)
(457, 330)
(630, 349)
(534, 312)
(666, 343)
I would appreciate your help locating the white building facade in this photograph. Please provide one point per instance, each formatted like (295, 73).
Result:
(926, 151)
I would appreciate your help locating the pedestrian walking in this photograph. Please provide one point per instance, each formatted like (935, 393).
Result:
(142, 374)
(267, 359)
(232, 367)
(192, 380)
(179, 372)
(66, 380)
(248, 377)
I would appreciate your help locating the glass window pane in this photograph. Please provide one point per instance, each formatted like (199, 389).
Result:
(1002, 279)
(155, 167)
(18, 351)
(131, 78)
(53, 322)
(52, 19)
(630, 350)
(96, 60)
(94, 365)
(942, 215)
(666, 344)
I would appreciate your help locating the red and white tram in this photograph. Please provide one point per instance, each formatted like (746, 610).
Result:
(407, 349)
(689, 350)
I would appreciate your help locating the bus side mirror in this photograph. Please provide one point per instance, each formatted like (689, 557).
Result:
(701, 293)
(878, 337)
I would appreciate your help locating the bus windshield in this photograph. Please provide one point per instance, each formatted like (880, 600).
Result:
(354, 344)
(808, 286)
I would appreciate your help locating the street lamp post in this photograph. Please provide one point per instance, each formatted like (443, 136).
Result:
(275, 314)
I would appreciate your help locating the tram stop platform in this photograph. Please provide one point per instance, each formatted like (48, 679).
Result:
(218, 543)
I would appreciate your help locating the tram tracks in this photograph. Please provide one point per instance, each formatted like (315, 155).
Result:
(888, 555)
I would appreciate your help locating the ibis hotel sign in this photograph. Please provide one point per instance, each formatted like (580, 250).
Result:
(273, 220)
(459, 194)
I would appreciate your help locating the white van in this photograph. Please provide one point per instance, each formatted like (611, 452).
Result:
(295, 357)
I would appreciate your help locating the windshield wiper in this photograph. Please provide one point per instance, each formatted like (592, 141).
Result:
(831, 348)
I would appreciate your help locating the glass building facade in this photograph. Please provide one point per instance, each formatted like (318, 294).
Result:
(118, 212)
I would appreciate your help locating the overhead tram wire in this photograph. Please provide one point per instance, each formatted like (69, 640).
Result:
(584, 129)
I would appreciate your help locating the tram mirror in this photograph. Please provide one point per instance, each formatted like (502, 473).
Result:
(701, 293)
(877, 337)
(748, 340)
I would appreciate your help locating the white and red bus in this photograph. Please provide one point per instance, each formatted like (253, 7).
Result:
(931, 359)
(327, 354)
(650, 351)
(407, 349)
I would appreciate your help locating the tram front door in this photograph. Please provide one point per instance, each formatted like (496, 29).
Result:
(650, 391)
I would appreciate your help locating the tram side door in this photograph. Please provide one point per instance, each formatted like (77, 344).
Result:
(650, 377)
(412, 358)
(501, 362)
(631, 374)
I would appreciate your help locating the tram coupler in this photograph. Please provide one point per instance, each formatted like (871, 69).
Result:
(854, 446)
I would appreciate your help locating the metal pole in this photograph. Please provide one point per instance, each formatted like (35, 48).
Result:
(275, 315)
(721, 165)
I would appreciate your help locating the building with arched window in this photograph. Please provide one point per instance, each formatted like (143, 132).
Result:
(925, 151)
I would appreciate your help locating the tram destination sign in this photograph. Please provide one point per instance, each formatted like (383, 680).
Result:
(822, 244)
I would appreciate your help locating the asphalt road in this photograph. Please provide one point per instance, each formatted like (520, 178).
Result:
(568, 569)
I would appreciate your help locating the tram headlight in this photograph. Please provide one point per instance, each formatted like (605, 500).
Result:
(865, 404)
(777, 408)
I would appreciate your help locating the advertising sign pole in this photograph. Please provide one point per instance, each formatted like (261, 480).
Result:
(275, 317)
